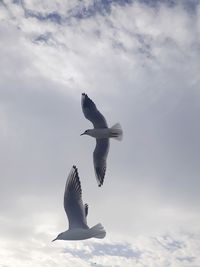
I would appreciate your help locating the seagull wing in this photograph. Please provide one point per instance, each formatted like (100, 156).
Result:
(91, 112)
(73, 203)
(99, 158)
(86, 210)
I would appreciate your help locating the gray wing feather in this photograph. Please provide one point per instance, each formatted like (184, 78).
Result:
(73, 203)
(86, 210)
(99, 158)
(91, 112)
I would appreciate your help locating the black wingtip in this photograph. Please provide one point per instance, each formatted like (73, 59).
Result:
(87, 102)
(101, 180)
(75, 170)
(73, 184)
(100, 174)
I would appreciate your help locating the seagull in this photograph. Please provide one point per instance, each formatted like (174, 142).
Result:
(102, 134)
(77, 212)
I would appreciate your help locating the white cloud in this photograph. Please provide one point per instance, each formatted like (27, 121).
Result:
(180, 250)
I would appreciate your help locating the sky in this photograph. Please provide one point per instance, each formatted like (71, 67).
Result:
(139, 61)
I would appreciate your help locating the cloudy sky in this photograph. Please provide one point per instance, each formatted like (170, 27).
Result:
(139, 61)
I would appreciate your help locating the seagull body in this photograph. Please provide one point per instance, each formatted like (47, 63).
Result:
(99, 133)
(77, 212)
(102, 133)
(77, 234)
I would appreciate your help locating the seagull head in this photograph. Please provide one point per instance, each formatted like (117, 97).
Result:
(59, 237)
(87, 132)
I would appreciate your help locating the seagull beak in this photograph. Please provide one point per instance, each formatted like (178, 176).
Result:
(82, 134)
(54, 239)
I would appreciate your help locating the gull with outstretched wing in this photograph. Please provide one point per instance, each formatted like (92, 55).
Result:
(102, 133)
(77, 212)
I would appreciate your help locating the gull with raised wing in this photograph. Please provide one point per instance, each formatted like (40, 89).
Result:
(102, 134)
(77, 212)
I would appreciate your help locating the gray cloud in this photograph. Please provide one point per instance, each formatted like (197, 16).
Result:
(78, 10)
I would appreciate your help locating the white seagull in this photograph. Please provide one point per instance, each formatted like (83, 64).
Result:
(77, 212)
(102, 134)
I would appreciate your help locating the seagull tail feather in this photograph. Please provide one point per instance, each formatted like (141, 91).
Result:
(98, 231)
(116, 132)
